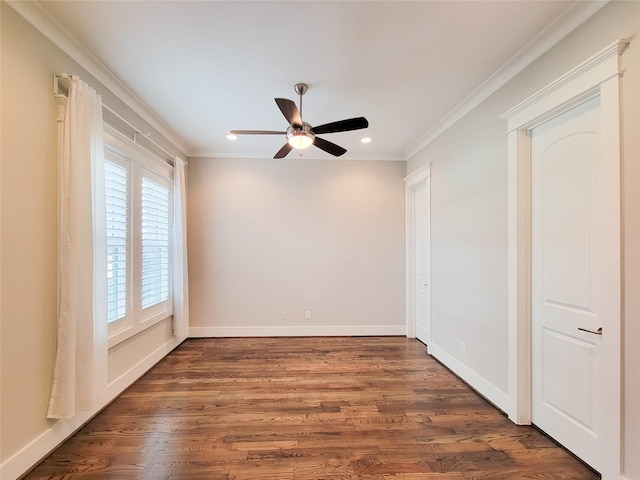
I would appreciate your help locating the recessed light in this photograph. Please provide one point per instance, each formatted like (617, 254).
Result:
(231, 136)
(365, 140)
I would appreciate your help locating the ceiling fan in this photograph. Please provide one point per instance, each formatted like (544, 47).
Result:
(301, 135)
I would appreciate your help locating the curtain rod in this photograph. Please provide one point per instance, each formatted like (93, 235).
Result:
(136, 131)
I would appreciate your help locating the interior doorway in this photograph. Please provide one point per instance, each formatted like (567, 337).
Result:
(418, 235)
(564, 261)
(570, 291)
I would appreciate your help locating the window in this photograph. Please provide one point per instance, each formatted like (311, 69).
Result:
(117, 193)
(155, 243)
(139, 198)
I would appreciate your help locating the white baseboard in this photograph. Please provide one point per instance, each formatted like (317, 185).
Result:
(19, 463)
(485, 388)
(299, 331)
(125, 380)
(41, 446)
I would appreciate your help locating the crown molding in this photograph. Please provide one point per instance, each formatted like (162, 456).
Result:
(43, 21)
(578, 13)
(573, 17)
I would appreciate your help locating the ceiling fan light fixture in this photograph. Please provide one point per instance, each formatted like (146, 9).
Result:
(300, 137)
(301, 140)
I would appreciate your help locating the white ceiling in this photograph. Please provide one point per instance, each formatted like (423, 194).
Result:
(206, 67)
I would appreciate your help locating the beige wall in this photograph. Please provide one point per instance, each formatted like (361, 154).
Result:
(266, 236)
(469, 216)
(28, 176)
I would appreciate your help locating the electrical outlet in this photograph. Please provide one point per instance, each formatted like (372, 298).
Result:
(283, 315)
(463, 348)
(307, 314)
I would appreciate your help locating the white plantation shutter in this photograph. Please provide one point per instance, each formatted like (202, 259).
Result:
(155, 231)
(116, 187)
(139, 230)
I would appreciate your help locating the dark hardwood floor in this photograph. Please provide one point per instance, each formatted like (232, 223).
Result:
(305, 408)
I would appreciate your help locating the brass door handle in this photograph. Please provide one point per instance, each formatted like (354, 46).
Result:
(595, 332)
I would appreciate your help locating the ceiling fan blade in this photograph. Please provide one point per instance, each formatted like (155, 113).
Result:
(341, 126)
(257, 132)
(329, 147)
(283, 151)
(290, 111)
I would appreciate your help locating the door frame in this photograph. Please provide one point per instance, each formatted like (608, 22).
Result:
(597, 76)
(419, 177)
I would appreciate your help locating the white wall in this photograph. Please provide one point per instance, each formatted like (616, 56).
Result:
(469, 222)
(28, 222)
(266, 236)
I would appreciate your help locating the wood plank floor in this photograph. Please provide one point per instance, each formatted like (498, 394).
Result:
(308, 409)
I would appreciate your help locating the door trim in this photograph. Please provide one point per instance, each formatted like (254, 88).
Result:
(598, 76)
(415, 179)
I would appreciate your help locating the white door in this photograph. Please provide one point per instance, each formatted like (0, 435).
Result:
(422, 267)
(570, 292)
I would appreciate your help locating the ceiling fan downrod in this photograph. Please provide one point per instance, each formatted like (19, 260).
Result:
(301, 89)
